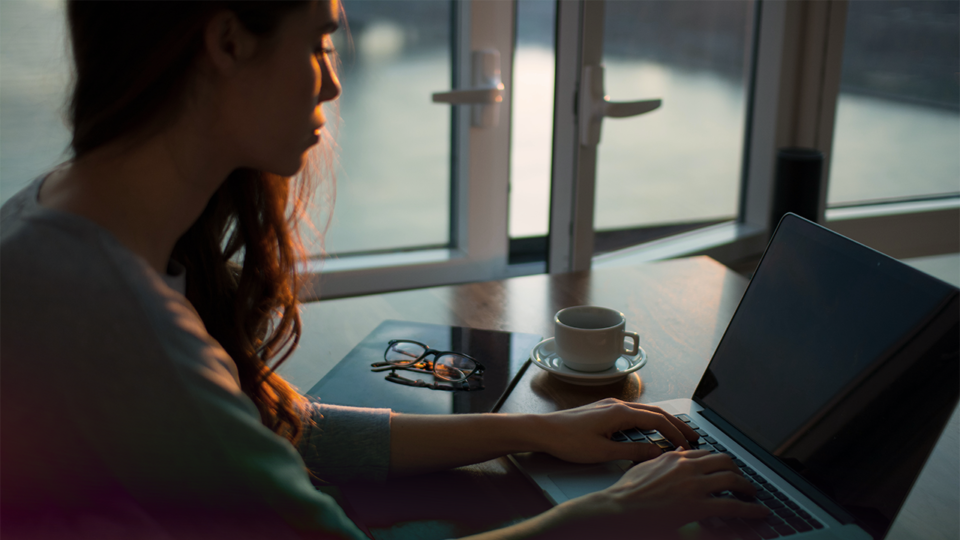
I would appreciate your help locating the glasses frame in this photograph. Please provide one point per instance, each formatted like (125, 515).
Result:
(454, 386)
(421, 364)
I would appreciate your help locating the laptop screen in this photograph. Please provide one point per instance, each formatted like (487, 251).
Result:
(841, 362)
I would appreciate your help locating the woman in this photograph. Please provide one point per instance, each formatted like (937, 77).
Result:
(149, 282)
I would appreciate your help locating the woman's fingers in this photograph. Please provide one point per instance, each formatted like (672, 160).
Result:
(727, 480)
(695, 454)
(588, 429)
(686, 431)
(712, 463)
(676, 488)
(668, 429)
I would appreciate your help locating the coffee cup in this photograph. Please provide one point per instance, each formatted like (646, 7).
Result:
(591, 338)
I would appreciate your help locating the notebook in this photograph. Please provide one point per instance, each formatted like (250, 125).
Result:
(831, 339)
(504, 355)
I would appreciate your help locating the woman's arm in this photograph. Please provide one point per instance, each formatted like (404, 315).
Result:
(662, 493)
(423, 443)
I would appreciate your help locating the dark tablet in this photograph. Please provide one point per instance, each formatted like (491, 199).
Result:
(504, 355)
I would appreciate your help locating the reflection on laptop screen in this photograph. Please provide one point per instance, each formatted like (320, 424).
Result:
(842, 362)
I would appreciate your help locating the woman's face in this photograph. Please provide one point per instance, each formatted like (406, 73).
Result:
(278, 115)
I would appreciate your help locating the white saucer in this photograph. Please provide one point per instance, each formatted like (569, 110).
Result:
(544, 356)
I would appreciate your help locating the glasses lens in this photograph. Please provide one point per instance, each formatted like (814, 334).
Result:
(454, 367)
(404, 352)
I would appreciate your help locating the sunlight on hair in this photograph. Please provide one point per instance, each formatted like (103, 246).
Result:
(314, 194)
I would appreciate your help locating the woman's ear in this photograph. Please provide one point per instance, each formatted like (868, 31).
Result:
(227, 43)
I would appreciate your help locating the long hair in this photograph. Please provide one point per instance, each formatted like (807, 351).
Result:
(134, 63)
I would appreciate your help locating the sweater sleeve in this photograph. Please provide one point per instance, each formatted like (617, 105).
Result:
(344, 444)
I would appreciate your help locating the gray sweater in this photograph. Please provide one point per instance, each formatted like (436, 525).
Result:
(117, 403)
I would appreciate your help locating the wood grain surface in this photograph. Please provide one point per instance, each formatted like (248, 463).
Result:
(680, 309)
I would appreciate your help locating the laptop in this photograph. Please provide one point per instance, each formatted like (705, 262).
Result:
(807, 387)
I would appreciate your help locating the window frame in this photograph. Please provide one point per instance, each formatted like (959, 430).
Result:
(580, 28)
(479, 247)
(792, 101)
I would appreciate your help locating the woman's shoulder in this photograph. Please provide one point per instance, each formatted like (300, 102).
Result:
(38, 244)
(64, 277)
(69, 256)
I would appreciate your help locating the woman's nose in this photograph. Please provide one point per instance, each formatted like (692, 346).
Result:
(329, 83)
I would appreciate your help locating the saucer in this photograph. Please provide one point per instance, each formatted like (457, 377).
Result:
(545, 357)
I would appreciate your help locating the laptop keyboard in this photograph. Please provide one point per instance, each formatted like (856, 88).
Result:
(786, 517)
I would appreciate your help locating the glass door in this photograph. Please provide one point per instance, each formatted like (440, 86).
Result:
(393, 188)
(678, 167)
(897, 129)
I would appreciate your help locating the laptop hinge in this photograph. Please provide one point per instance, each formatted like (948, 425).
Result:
(785, 472)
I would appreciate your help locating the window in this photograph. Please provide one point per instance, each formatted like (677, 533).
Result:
(476, 238)
(680, 164)
(425, 197)
(898, 114)
(34, 72)
(814, 66)
(391, 137)
(534, 66)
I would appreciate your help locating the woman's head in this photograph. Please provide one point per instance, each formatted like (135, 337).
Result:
(269, 90)
(138, 66)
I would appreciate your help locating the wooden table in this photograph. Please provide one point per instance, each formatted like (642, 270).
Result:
(680, 308)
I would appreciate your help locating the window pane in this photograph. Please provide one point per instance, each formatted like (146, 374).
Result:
(680, 163)
(897, 131)
(531, 137)
(393, 179)
(34, 73)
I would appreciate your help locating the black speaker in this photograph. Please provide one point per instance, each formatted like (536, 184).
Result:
(798, 185)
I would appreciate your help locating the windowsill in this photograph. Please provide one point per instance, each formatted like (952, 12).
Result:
(381, 260)
(356, 275)
(723, 241)
(900, 229)
(891, 209)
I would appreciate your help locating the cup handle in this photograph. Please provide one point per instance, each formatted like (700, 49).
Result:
(636, 343)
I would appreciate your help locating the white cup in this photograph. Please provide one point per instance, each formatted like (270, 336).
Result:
(591, 338)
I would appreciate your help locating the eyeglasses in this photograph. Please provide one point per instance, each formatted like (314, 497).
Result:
(457, 368)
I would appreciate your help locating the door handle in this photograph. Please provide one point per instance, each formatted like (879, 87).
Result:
(486, 93)
(594, 105)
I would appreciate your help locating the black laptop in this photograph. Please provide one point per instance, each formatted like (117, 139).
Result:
(830, 387)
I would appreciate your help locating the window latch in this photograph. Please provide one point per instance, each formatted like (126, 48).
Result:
(595, 105)
(485, 95)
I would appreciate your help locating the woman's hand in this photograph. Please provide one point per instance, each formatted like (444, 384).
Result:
(662, 495)
(582, 435)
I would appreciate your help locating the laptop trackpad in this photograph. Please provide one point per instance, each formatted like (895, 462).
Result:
(587, 480)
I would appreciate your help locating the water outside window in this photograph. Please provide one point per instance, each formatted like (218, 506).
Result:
(897, 132)
(34, 73)
(393, 179)
(680, 163)
(531, 136)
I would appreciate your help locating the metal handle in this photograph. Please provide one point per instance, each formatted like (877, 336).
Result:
(474, 96)
(594, 106)
(487, 91)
